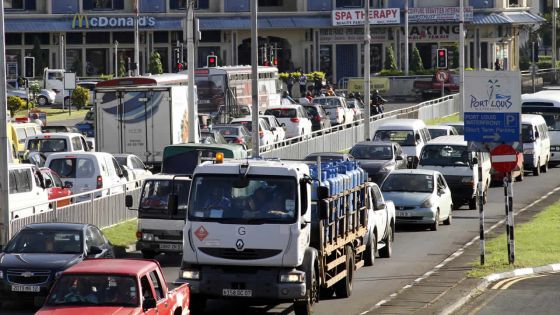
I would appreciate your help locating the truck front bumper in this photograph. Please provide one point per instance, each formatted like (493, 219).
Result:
(160, 246)
(245, 282)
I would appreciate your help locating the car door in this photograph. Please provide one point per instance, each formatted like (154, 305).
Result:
(101, 241)
(147, 293)
(163, 306)
(379, 209)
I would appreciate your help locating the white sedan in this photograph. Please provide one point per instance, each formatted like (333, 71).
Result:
(276, 127)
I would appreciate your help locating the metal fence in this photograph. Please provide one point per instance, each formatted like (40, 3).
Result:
(343, 137)
(102, 207)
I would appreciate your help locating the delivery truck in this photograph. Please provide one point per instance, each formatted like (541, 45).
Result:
(142, 115)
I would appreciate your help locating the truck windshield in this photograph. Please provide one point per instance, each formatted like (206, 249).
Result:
(94, 290)
(402, 137)
(47, 145)
(445, 155)
(153, 202)
(211, 91)
(254, 200)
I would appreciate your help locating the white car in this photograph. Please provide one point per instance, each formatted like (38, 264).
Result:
(336, 108)
(27, 194)
(441, 130)
(295, 119)
(134, 168)
(266, 138)
(87, 171)
(48, 143)
(276, 127)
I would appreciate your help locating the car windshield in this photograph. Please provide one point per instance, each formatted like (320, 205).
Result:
(237, 199)
(246, 124)
(434, 133)
(402, 137)
(445, 155)
(409, 183)
(46, 242)
(156, 193)
(327, 102)
(326, 158)
(282, 112)
(550, 114)
(353, 103)
(121, 160)
(460, 129)
(372, 152)
(47, 145)
(227, 131)
(94, 290)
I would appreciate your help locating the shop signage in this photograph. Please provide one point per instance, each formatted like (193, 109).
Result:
(439, 14)
(87, 22)
(351, 34)
(357, 16)
(433, 32)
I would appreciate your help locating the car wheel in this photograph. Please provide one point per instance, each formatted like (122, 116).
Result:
(519, 177)
(544, 168)
(343, 288)
(387, 251)
(435, 225)
(537, 169)
(371, 250)
(449, 218)
(472, 203)
(42, 101)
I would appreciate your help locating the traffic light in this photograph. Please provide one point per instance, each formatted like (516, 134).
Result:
(179, 66)
(29, 67)
(442, 58)
(212, 61)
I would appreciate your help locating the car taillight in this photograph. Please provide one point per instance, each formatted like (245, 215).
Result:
(294, 119)
(261, 133)
(99, 182)
(317, 118)
(138, 235)
(238, 140)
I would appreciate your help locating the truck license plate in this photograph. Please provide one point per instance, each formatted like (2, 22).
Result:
(171, 246)
(26, 288)
(403, 214)
(234, 292)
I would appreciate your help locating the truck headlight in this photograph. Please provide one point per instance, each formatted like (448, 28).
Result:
(528, 151)
(190, 274)
(409, 158)
(147, 237)
(293, 277)
(428, 203)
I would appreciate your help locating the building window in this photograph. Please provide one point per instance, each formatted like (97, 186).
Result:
(96, 62)
(123, 37)
(161, 37)
(271, 3)
(514, 3)
(103, 4)
(182, 4)
(359, 3)
(13, 39)
(14, 4)
(74, 38)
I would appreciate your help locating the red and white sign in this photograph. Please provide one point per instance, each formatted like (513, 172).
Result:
(357, 16)
(201, 233)
(442, 76)
(504, 158)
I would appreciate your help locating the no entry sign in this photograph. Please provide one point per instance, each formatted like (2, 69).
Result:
(504, 158)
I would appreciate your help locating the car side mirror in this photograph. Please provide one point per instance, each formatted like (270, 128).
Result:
(474, 161)
(128, 201)
(149, 303)
(172, 203)
(48, 183)
(399, 158)
(282, 125)
(68, 185)
(94, 250)
(537, 135)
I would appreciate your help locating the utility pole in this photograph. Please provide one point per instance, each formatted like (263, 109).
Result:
(367, 74)
(406, 59)
(136, 41)
(116, 59)
(193, 107)
(462, 52)
(555, 4)
(62, 63)
(255, 77)
(4, 189)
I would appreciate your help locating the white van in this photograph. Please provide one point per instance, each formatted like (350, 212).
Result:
(536, 143)
(87, 171)
(450, 155)
(27, 194)
(49, 143)
(411, 134)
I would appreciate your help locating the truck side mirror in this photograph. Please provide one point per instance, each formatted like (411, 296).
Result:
(48, 183)
(323, 209)
(537, 135)
(128, 200)
(172, 203)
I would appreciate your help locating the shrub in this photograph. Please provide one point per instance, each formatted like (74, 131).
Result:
(416, 63)
(387, 73)
(155, 63)
(122, 68)
(390, 60)
(80, 97)
(15, 104)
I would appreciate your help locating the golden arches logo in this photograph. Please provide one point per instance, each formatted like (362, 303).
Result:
(79, 21)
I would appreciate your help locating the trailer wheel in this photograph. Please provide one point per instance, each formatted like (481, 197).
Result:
(305, 307)
(371, 250)
(343, 288)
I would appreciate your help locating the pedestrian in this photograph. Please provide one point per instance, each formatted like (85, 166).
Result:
(497, 65)
(290, 83)
(330, 91)
(318, 82)
(36, 120)
(309, 96)
(302, 84)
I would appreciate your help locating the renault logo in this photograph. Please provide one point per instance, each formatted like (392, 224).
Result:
(79, 21)
(239, 244)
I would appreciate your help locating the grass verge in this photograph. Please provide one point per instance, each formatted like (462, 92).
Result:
(122, 234)
(57, 114)
(441, 120)
(536, 244)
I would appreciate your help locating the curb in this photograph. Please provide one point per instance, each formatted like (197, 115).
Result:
(496, 277)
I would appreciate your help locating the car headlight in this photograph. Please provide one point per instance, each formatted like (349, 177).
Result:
(293, 277)
(528, 151)
(190, 274)
(147, 237)
(428, 203)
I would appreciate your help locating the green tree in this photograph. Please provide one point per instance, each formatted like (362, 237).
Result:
(37, 52)
(155, 63)
(80, 97)
(122, 67)
(390, 60)
(416, 61)
(77, 67)
(15, 104)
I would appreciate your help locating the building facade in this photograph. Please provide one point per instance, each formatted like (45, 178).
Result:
(325, 35)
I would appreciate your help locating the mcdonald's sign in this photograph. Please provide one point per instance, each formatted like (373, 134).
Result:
(79, 21)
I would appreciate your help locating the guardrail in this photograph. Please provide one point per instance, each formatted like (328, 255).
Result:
(344, 136)
(102, 207)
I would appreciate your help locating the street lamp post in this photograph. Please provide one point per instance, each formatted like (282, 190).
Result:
(136, 41)
(193, 111)
(555, 4)
(255, 75)
(367, 74)
(116, 59)
(4, 190)
(462, 52)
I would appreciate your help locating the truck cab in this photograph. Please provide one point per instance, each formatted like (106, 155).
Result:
(160, 229)
(53, 79)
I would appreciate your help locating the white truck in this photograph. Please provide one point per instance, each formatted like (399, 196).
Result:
(142, 115)
(160, 227)
(266, 231)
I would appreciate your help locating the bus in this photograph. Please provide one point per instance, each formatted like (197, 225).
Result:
(547, 104)
(230, 87)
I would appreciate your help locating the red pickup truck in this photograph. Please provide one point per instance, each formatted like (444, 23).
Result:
(432, 88)
(115, 286)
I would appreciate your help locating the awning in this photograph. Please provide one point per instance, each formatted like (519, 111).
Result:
(519, 17)
(523, 17)
(273, 22)
(492, 19)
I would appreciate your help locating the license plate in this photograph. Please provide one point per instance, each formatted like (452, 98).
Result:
(171, 246)
(233, 292)
(26, 288)
(403, 214)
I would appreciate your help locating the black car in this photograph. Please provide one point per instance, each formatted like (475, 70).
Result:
(52, 129)
(236, 134)
(329, 156)
(318, 116)
(36, 255)
(378, 159)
